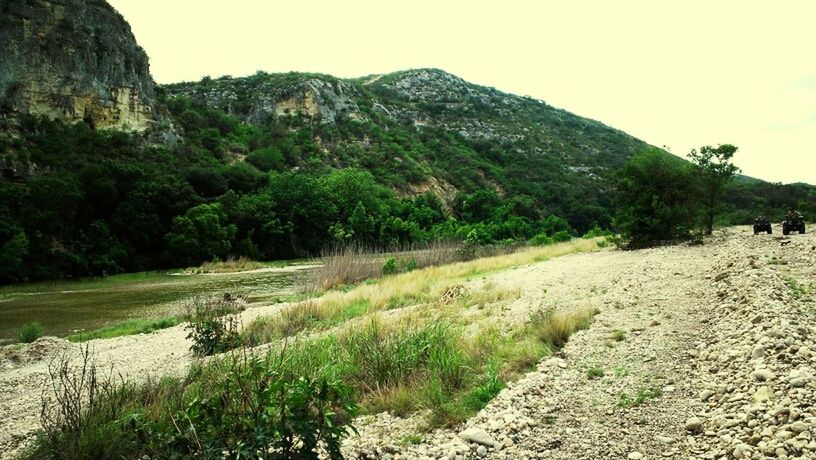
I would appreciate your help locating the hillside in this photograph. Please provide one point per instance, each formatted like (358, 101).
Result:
(427, 129)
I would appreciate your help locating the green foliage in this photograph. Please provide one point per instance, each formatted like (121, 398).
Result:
(212, 326)
(656, 199)
(202, 233)
(642, 396)
(30, 332)
(239, 406)
(390, 266)
(595, 373)
(713, 170)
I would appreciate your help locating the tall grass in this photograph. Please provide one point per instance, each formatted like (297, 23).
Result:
(350, 263)
(231, 265)
(300, 395)
(404, 289)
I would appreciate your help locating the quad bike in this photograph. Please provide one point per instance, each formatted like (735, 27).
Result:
(762, 226)
(792, 225)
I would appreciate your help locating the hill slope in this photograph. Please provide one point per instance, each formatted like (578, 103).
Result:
(427, 129)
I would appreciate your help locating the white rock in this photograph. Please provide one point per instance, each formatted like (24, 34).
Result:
(479, 436)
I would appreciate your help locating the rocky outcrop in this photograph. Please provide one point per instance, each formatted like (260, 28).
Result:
(255, 99)
(75, 61)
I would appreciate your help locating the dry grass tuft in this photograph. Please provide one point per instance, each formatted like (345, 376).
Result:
(230, 265)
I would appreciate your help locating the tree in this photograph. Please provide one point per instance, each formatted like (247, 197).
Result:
(713, 169)
(202, 233)
(655, 199)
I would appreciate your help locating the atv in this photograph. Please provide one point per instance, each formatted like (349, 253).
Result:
(792, 225)
(762, 226)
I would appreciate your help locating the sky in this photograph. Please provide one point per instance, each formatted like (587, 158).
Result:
(677, 74)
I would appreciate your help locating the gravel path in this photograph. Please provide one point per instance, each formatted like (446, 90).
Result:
(701, 352)
(682, 383)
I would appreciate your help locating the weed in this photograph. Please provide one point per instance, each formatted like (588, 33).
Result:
(595, 373)
(554, 328)
(621, 371)
(618, 335)
(642, 395)
(412, 439)
(212, 324)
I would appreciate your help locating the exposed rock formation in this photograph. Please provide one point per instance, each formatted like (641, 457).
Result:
(75, 61)
(254, 99)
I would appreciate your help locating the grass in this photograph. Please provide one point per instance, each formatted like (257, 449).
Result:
(798, 290)
(642, 396)
(618, 335)
(595, 373)
(132, 327)
(241, 264)
(404, 289)
(401, 366)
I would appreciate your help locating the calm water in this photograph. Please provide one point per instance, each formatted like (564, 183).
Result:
(67, 306)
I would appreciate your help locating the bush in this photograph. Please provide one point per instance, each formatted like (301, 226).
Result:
(541, 240)
(390, 266)
(656, 199)
(240, 406)
(30, 332)
(212, 325)
(562, 236)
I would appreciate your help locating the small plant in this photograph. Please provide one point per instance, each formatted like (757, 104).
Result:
(390, 266)
(212, 326)
(30, 332)
(618, 335)
(621, 371)
(595, 373)
(643, 395)
(412, 439)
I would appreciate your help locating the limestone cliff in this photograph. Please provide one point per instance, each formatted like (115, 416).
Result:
(75, 61)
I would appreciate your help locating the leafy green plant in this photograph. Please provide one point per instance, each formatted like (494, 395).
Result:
(390, 266)
(212, 326)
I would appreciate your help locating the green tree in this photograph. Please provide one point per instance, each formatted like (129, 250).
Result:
(655, 199)
(202, 233)
(12, 258)
(713, 169)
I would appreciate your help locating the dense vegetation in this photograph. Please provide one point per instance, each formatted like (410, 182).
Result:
(663, 198)
(79, 202)
(219, 180)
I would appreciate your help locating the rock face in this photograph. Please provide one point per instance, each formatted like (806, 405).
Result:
(75, 61)
(316, 98)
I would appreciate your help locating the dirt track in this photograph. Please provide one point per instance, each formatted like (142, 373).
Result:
(692, 318)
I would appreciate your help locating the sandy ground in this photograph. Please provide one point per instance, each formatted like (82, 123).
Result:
(677, 307)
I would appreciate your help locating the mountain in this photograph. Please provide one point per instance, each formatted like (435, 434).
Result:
(425, 129)
(74, 61)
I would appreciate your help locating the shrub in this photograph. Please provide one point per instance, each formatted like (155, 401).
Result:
(30, 332)
(240, 406)
(541, 240)
(212, 326)
(562, 236)
(390, 266)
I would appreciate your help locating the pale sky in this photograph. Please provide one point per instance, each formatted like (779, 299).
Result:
(677, 74)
